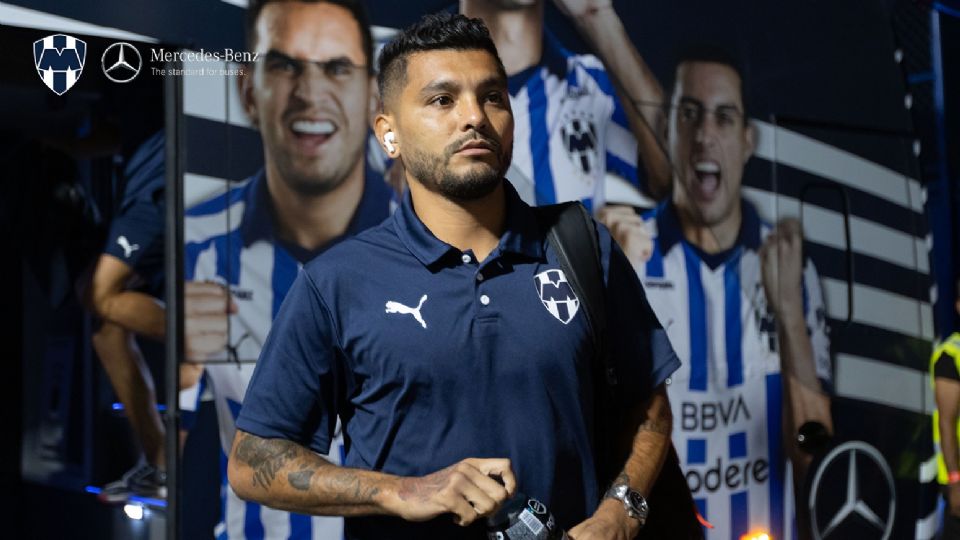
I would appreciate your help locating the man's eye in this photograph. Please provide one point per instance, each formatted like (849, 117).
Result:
(725, 119)
(689, 113)
(283, 65)
(495, 97)
(442, 101)
(338, 68)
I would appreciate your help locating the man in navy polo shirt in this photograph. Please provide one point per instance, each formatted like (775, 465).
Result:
(430, 336)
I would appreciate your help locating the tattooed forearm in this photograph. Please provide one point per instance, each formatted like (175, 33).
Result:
(265, 456)
(287, 476)
(650, 442)
(421, 489)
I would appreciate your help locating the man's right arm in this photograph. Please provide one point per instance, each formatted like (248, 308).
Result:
(137, 312)
(285, 475)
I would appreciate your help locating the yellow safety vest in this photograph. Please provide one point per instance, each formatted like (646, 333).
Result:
(951, 346)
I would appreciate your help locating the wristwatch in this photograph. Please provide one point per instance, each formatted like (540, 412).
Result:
(633, 502)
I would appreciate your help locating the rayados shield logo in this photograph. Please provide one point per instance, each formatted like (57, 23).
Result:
(557, 295)
(59, 59)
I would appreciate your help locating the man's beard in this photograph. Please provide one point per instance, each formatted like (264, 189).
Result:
(433, 171)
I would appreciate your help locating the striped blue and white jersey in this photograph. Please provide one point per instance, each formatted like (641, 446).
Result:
(229, 239)
(570, 130)
(726, 397)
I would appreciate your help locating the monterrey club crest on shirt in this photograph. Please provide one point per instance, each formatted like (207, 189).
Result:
(557, 295)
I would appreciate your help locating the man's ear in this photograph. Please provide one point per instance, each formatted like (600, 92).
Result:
(245, 91)
(382, 126)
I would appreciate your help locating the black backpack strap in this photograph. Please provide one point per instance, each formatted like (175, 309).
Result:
(572, 234)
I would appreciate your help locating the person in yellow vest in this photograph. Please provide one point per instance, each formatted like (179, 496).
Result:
(945, 372)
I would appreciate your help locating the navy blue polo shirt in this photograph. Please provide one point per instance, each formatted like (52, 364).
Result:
(429, 357)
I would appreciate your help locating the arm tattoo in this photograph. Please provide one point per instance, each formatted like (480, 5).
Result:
(421, 489)
(348, 487)
(300, 480)
(265, 456)
(656, 425)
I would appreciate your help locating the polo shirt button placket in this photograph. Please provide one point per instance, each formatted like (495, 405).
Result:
(484, 299)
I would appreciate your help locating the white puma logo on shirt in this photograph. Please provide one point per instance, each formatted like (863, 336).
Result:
(127, 248)
(397, 307)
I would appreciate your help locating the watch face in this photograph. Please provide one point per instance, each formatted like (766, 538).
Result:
(637, 501)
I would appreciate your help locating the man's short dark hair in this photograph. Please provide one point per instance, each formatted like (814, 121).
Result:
(439, 31)
(355, 7)
(714, 54)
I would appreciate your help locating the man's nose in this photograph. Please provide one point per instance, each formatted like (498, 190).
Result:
(312, 84)
(472, 115)
(706, 130)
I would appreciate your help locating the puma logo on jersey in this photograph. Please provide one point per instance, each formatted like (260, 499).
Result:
(128, 248)
(397, 307)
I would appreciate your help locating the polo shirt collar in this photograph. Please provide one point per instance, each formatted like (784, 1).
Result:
(669, 232)
(521, 233)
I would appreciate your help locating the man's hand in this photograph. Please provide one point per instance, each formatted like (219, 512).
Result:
(609, 522)
(630, 232)
(207, 307)
(781, 261)
(953, 498)
(576, 9)
(466, 489)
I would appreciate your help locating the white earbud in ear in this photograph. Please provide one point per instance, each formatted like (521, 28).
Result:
(388, 139)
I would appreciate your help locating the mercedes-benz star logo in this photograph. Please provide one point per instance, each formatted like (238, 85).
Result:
(860, 507)
(121, 62)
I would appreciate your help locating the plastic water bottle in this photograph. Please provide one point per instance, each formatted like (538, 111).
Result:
(524, 518)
